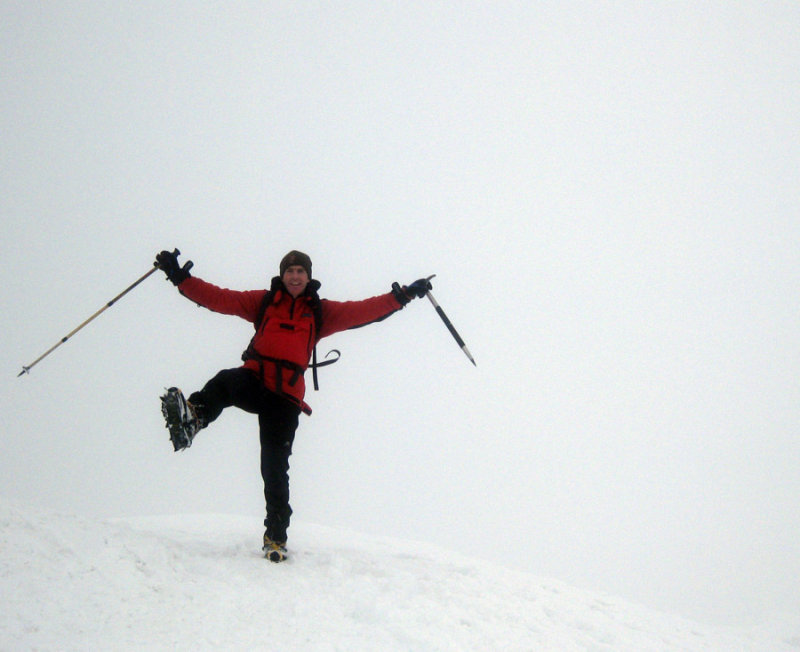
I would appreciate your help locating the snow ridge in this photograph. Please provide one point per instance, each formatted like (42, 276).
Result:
(200, 583)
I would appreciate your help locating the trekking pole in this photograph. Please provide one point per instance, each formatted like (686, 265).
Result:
(27, 369)
(449, 325)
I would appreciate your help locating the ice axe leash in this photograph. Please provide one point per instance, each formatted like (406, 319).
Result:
(26, 369)
(449, 324)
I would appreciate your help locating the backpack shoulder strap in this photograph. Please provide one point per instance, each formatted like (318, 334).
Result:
(269, 295)
(249, 352)
(316, 306)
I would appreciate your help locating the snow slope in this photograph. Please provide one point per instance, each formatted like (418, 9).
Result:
(199, 582)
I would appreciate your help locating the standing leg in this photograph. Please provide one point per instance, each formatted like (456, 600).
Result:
(278, 423)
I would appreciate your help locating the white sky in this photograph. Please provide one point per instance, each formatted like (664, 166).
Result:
(607, 192)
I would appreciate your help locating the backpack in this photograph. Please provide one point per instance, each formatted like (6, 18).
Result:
(316, 306)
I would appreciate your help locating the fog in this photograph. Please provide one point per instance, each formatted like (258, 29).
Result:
(607, 192)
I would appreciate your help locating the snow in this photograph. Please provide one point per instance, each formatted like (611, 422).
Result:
(199, 582)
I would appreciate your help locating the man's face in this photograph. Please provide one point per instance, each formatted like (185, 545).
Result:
(295, 278)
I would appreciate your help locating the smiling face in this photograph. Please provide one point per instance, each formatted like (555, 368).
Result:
(295, 278)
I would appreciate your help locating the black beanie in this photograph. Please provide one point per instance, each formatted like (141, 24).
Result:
(296, 258)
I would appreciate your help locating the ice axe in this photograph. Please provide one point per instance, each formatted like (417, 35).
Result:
(26, 369)
(449, 324)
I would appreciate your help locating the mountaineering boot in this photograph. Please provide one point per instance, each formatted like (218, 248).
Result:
(183, 419)
(274, 550)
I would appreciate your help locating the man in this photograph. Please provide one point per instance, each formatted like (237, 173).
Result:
(289, 319)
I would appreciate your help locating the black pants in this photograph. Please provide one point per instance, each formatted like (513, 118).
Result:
(277, 421)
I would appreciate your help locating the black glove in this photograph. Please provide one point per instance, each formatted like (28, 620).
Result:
(168, 262)
(418, 289)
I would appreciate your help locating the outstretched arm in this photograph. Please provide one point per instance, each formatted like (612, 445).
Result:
(342, 315)
(244, 304)
(228, 302)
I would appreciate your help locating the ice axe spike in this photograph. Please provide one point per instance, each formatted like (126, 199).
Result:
(449, 324)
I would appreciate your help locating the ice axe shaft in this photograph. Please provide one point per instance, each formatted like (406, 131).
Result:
(27, 368)
(449, 325)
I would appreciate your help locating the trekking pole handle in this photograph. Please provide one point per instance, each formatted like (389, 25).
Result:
(187, 265)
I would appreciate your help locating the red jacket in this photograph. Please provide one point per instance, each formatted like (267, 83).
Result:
(287, 334)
